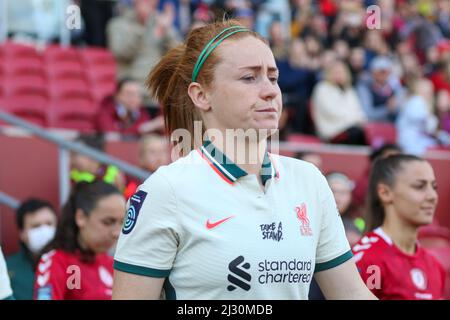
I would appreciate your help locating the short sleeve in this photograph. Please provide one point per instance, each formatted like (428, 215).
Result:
(149, 239)
(5, 286)
(333, 248)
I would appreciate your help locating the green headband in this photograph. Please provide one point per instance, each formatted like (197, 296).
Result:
(210, 47)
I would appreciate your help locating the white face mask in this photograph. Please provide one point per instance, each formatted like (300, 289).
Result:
(39, 237)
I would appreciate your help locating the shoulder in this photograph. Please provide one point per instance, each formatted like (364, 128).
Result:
(175, 174)
(369, 248)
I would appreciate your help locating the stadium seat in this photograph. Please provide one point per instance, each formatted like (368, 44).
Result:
(97, 56)
(24, 66)
(15, 50)
(74, 113)
(303, 138)
(65, 70)
(33, 108)
(379, 133)
(70, 88)
(102, 73)
(54, 53)
(102, 90)
(436, 240)
(25, 84)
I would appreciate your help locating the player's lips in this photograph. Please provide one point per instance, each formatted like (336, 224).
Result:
(428, 209)
(271, 109)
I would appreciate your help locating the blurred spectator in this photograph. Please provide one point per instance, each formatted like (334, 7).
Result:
(36, 19)
(76, 265)
(36, 221)
(153, 153)
(139, 37)
(278, 43)
(96, 14)
(269, 11)
(5, 286)
(357, 63)
(337, 112)
(311, 157)
(380, 97)
(296, 82)
(342, 187)
(443, 109)
(441, 77)
(83, 168)
(362, 183)
(124, 113)
(416, 126)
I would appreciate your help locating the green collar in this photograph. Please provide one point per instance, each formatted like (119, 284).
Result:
(228, 170)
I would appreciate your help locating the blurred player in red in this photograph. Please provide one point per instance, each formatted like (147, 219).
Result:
(402, 197)
(76, 264)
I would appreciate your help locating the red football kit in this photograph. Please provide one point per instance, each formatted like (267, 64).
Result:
(63, 276)
(394, 275)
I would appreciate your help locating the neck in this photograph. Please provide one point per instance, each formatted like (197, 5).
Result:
(248, 154)
(404, 235)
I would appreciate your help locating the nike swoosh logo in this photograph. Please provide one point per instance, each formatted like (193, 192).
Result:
(210, 225)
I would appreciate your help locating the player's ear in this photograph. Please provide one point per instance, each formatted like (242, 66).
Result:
(80, 218)
(199, 96)
(385, 193)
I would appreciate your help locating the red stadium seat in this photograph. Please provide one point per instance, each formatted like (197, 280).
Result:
(78, 114)
(33, 108)
(70, 88)
(102, 73)
(378, 133)
(303, 138)
(26, 84)
(102, 90)
(24, 66)
(55, 53)
(65, 70)
(15, 50)
(97, 56)
(436, 240)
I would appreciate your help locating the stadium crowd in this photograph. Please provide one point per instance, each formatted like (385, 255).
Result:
(341, 72)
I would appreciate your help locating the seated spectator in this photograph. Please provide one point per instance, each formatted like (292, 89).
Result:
(362, 183)
(36, 221)
(342, 187)
(84, 168)
(296, 82)
(311, 157)
(380, 95)
(443, 110)
(5, 286)
(337, 112)
(124, 112)
(75, 265)
(139, 37)
(402, 197)
(153, 153)
(416, 126)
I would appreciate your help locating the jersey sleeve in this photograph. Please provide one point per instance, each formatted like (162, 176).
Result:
(51, 278)
(5, 286)
(333, 248)
(370, 269)
(150, 235)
